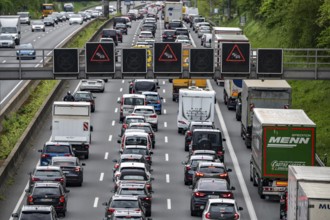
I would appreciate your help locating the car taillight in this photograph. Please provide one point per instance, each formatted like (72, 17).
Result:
(62, 199)
(148, 158)
(60, 180)
(188, 167)
(111, 210)
(121, 109)
(77, 169)
(35, 179)
(199, 194)
(153, 116)
(236, 216)
(148, 186)
(227, 195)
(189, 133)
(67, 155)
(207, 215)
(137, 210)
(164, 35)
(223, 175)
(182, 122)
(199, 174)
(219, 153)
(116, 166)
(86, 146)
(158, 102)
(30, 199)
(125, 126)
(147, 198)
(45, 155)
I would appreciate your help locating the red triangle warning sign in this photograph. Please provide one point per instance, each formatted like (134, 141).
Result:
(168, 55)
(235, 55)
(100, 55)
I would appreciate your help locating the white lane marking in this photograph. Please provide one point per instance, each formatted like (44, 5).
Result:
(164, 100)
(164, 82)
(118, 99)
(237, 168)
(164, 111)
(166, 157)
(121, 89)
(113, 123)
(106, 155)
(101, 177)
(169, 206)
(123, 81)
(167, 178)
(192, 39)
(4, 61)
(96, 201)
(163, 90)
(9, 94)
(166, 139)
(165, 124)
(110, 137)
(116, 110)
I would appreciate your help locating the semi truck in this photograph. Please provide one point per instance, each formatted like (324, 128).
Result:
(178, 84)
(11, 25)
(231, 90)
(299, 195)
(71, 122)
(195, 104)
(261, 94)
(280, 137)
(172, 11)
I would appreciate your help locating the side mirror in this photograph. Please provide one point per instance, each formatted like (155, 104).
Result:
(91, 128)
(151, 152)
(113, 191)
(94, 97)
(240, 208)
(158, 87)
(118, 141)
(83, 164)
(115, 160)
(67, 190)
(229, 170)
(27, 190)
(161, 98)
(223, 139)
(119, 101)
(105, 203)
(40, 150)
(232, 188)
(14, 215)
(152, 178)
(151, 170)
(183, 163)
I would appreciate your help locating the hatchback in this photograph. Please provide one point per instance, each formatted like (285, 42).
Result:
(140, 150)
(131, 119)
(46, 174)
(191, 165)
(26, 51)
(147, 128)
(144, 85)
(122, 27)
(191, 127)
(53, 149)
(93, 85)
(32, 212)
(207, 169)
(168, 36)
(154, 99)
(218, 209)
(38, 26)
(149, 113)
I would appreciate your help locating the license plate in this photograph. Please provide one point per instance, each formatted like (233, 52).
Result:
(213, 197)
(46, 200)
(73, 148)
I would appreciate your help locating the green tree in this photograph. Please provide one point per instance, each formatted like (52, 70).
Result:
(323, 22)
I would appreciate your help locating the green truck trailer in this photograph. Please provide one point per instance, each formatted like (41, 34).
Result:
(280, 137)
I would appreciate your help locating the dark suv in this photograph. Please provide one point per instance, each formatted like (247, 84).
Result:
(33, 212)
(110, 33)
(182, 31)
(192, 126)
(143, 85)
(169, 36)
(208, 139)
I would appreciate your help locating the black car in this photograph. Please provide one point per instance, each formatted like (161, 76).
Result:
(174, 25)
(122, 27)
(85, 96)
(191, 127)
(71, 168)
(239, 107)
(191, 164)
(119, 20)
(144, 85)
(35, 212)
(46, 173)
(139, 190)
(208, 139)
(142, 150)
(120, 36)
(208, 169)
(49, 193)
(168, 36)
(182, 31)
(110, 33)
(206, 189)
(134, 176)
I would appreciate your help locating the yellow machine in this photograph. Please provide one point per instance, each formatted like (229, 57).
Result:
(185, 83)
(46, 9)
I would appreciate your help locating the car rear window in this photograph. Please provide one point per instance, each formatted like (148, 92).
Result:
(49, 191)
(28, 215)
(152, 97)
(214, 186)
(183, 32)
(133, 101)
(82, 96)
(175, 24)
(135, 151)
(144, 111)
(134, 120)
(132, 177)
(136, 141)
(48, 173)
(145, 86)
(169, 32)
(222, 208)
(57, 149)
(146, 128)
(214, 137)
(212, 169)
(124, 204)
(132, 191)
(194, 163)
(64, 163)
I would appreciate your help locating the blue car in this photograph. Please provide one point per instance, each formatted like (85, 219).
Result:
(54, 149)
(153, 99)
(26, 51)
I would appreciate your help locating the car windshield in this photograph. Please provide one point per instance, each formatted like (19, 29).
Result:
(146, 128)
(133, 101)
(8, 30)
(57, 149)
(47, 173)
(136, 141)
(132, 191)
(43, 191)
(143, 111)
(135, 151)
(222, 208)
(133, 177)
(212, 169)
(36, 216)
(124, 204)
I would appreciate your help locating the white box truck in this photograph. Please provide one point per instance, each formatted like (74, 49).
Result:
(172, 11)
(231, 90)
(71, 122)
(304, 174)
(11, 25)
(195, 104)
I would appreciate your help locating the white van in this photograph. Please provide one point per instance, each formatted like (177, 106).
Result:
(128, 102)
(195, 104)
(206, 40)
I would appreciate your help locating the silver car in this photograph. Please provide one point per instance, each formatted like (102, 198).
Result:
(38, 26)
(76, 19)
(93, 85)
(7, 41)
(203, 30)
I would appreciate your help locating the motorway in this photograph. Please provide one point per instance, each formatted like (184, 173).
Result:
(171, 199)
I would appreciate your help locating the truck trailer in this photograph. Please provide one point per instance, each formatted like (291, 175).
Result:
(280, 137)
(172, 11)
(261, 94)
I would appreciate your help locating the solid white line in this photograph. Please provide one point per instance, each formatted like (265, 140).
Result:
(237, 168)
(163, 90)
(167, 178)
(9, 94)
(166, 139)
(164, 100)
(116, 110)
(121, 89)
(165, 124)
(169, 204)
(166, 157)
(96, 201)
(101, 176)
(110, 136)
(106, 155)
(20, 200)
(164, 111)
(113, 123)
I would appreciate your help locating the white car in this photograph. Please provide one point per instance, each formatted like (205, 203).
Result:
(7, 41)
(131, 166)
(92, 85)
(149, 113)
(38, 26)
(224, 208)
(203, 30)
(182, 37)
(145, 35)
(76, 19)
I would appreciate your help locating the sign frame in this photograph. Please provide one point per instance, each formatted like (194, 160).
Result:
(113, 55)
(199, 49)
(270, 49)
(146, 59)
(234, 44)
(156, 60)
(66, 49)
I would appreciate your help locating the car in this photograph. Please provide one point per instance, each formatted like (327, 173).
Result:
(154, 99)
(147, 128)
(128, 102)
(85, 96)
(182, 31)
(208, 139)
(38, 26)
(134, 176)
(168, 36)
(119, 20)
(139, 190)
(106, 40)
(130, 158)
(149, 27)
(208, 188)
(25, 51)
(123, 203)
(191, 127)
(83, 15)
(120, 36)
(206, 40)
(144, 85)
(93, 85)
(131, 119)
(131, 166)
(122, 27)
(145, 35)
(49, 193)
(203, 30)
(7, 41)
(221, 209)
(182, 37)
(209, 169)
(71, 168)
(76, 19)
(46, 173)
(53, 149)
(36, 212)
(54, 17)
(110, 33)
(48, 21)
(128, 21)
(191, 164)
(24, 17)
(149, 113)
(139, 149)
(174, 25)
(199, 24)
(185, 43)
(135, 138)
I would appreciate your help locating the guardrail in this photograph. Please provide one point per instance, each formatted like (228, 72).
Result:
(320, 162)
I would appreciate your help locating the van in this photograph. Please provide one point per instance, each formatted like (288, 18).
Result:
(128, 102)
(206, 40)
(110, 33)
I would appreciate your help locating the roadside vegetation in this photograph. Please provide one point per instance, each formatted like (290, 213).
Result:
(288, 24)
